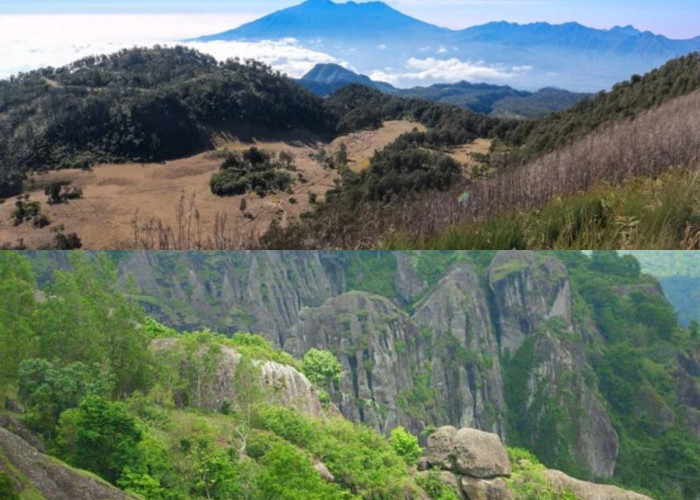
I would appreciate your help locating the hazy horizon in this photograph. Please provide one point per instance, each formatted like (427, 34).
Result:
(678, 19)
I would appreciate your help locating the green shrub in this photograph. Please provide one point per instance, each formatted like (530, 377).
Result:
(254, 170)
(321, 367)
(7, 489)
(405, 445)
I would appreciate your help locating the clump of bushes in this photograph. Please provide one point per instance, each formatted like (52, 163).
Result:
(29, 211)
(62, 191)
(63, 241)
(253, 170)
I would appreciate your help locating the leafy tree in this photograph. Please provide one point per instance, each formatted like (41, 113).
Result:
(47, 389)
(405, 445)
(90, 319)
(321, 366)
(100, 436)
(17, 314)
(613, 263)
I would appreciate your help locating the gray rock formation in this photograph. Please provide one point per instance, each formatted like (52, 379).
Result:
(469, 452)
(528, 289)
(283, 385)
(377, 344)
(50, 478)
(465, 362)
(486, 489)
(590, 491)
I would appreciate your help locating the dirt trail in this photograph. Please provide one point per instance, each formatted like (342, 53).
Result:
(115, 194)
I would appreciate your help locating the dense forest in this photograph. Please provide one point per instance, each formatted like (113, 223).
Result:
(79, 376)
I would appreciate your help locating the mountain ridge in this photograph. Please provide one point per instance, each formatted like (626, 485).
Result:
(373, 36)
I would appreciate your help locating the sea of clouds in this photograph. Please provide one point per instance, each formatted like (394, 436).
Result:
(31, 41)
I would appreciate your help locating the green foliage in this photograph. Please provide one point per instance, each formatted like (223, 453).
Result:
(615, 264)
(7, 489)
(90, 319)
(436, 488)
(289, 475)
(528, 482)
(360, 459)
(321, 367)
(60, 192)
(47, 389)
(635, 368)
(17, 315)
(142, 105)
(405, 445)
(258, 347)
(641, 213)
(100, 436)
(372, 272)
(156, 330)
(254, 171)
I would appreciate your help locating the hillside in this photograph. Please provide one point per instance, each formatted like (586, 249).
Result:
(499, 101)
(372, 36)
(578, 359)
(143, 105)
(548, 183)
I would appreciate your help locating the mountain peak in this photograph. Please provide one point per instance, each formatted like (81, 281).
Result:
(627, 30)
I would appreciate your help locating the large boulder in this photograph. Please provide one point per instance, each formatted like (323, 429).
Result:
(440, 448)
(480, 454)
(50, 478)
(590, 491)
(486, 489)
(469, 452)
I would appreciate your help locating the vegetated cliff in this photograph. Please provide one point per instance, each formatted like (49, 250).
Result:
(575, 358)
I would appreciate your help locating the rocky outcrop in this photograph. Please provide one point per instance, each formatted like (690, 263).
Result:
(556, 383)
(528, 289)
(478, 463)
(590, 491)
(533, 310)
(475, 462)
(232, 291)
(282, 384)
(47, 477)
(469, 452)
(465, 364)
(378, 345)
(486, 489)
(440, 365)
(407, 281)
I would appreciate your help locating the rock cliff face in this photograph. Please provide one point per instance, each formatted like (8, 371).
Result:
(528, 290)
(47, 477)
(469, 343)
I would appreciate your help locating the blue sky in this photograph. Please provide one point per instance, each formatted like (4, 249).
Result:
(673, 18)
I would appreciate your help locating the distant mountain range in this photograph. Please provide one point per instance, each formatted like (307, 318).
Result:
(376, 39)
(497, 100)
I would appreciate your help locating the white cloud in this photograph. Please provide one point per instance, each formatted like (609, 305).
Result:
(32, 41)
(442, 50)
(381, 46)
(451, 70)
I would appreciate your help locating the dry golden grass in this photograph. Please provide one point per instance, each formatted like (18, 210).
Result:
(170, 205)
